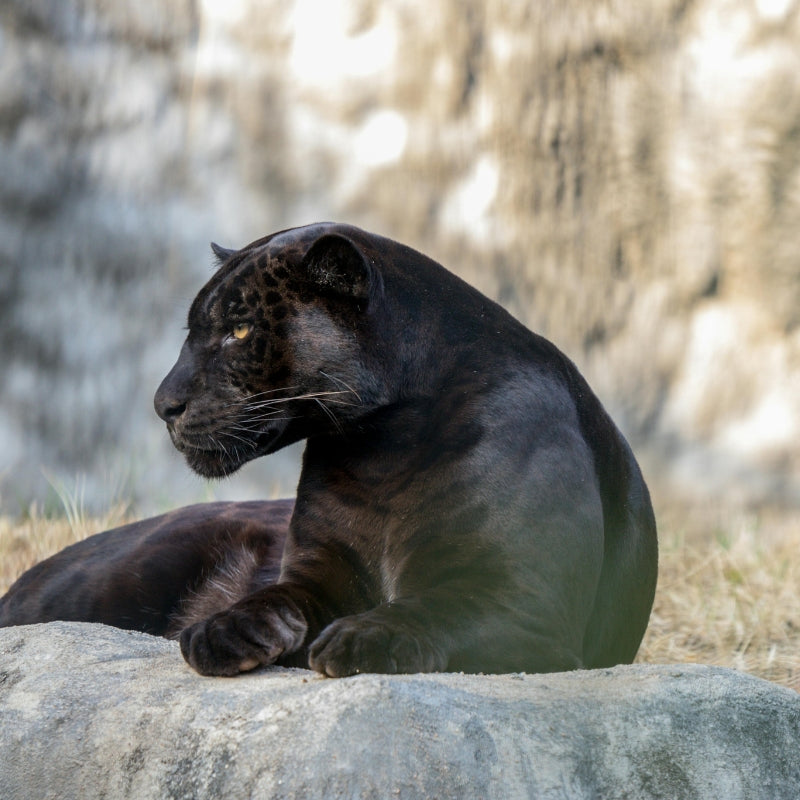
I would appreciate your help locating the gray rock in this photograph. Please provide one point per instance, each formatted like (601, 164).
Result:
(88, 711)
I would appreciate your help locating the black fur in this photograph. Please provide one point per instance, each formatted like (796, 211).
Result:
(465, 502)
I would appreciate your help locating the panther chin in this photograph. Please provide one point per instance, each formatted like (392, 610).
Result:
(219, 462)
(213, 464)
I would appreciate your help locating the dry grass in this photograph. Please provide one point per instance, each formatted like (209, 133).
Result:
(728, 594)
(35, 536)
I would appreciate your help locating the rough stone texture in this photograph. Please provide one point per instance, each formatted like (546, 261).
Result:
(88, 711)
(625, 177)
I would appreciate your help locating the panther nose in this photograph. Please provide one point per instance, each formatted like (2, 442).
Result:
(168, 408)
(169, 401)
(172, 395)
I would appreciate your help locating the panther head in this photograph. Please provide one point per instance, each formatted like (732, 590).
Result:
(282, 344)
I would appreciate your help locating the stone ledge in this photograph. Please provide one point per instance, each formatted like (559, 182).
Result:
(88, 711)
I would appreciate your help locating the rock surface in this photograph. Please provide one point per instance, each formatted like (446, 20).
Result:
(625, 178)
(88, 711)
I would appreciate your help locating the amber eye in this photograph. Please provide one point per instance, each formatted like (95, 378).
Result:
(242, 330)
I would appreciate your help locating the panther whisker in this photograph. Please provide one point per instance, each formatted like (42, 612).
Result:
(342, 383)
(256, 425)
(261, 394)
(330, 414)
(218, 445)
(246, 442)
(277, 400)
(266, 416)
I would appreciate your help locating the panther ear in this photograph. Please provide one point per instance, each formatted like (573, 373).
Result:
(335, 264)
(222, 253)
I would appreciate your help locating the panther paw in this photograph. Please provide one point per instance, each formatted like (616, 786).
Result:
(238, 640)
(357, 644)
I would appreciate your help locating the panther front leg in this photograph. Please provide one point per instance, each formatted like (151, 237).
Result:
(256, 631)
(434, 634)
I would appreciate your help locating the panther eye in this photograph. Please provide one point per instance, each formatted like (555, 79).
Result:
(242, 330)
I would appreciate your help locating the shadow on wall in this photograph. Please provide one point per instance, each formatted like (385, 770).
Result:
(627, 184)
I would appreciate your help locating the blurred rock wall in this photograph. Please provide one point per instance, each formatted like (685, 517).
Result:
(624, 177)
